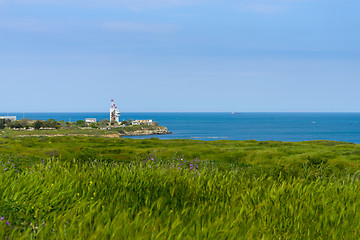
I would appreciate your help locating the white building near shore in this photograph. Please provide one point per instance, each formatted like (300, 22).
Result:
(90, 120)
(8, 118)
(144, 122)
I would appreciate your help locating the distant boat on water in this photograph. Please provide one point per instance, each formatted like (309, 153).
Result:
(235, 113)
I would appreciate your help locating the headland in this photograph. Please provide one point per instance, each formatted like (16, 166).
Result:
(102, 128)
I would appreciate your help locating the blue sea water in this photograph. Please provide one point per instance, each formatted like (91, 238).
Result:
(245, 126)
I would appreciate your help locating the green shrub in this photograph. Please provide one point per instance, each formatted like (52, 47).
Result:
(51, 123)
(38, 124)
(81, 123)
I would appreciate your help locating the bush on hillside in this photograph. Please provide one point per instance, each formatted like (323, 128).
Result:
(51, 123)
(81, 123)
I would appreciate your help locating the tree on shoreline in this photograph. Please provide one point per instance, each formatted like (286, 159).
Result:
(51, 123)
(104, 123)
(38, 124)
(81, 123)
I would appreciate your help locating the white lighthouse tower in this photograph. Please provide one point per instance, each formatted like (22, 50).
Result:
(114, 113)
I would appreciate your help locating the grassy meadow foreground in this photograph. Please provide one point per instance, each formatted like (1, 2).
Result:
(74, 187)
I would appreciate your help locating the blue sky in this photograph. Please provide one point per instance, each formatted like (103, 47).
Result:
(180, 55)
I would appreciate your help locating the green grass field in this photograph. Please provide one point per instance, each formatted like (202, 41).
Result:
(103, 188)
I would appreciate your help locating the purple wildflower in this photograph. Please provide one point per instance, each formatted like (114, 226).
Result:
(2, 218)
(7, 223)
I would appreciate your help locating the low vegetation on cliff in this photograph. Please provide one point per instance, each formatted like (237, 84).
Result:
(50, 127)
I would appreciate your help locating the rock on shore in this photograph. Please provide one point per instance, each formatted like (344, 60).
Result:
(140, 132)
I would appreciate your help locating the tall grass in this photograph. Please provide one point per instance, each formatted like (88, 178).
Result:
(340, 155)
(175, 199)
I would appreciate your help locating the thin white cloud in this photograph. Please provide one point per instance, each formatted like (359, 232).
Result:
(183, 15)
(270, 6)
(24, 25)
(34, 25)
(264, 8)
(256, 6)
(138, 27)
(130, 4)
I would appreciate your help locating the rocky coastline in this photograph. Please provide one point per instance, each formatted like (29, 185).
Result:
(159, 130)
(89, 132)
